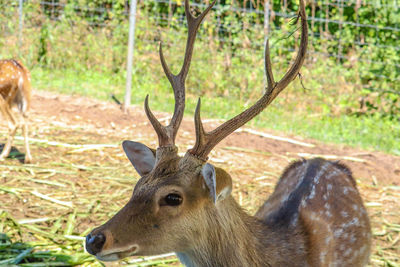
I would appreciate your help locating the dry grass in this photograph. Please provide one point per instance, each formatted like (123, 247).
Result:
(81, 177)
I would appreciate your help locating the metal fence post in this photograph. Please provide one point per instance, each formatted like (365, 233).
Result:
(21, 21)
(266, 19)
(131, 44)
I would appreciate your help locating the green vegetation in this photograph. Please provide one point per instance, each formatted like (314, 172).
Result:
(36, 253)
(359, 40)
(83, 52)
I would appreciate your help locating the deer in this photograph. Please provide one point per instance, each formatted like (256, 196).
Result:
(15, 90)
(183, 204)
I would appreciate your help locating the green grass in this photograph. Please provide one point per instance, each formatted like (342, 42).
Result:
(368, 132)
(38, 253)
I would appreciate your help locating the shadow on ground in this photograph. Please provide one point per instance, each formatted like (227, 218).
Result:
(14, 153)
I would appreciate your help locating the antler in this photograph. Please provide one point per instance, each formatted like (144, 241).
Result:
(167, 134)
(206, 141)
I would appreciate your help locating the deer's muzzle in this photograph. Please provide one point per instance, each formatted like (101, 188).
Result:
(95, 243)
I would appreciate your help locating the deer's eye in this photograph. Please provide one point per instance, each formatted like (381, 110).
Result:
(173, 200)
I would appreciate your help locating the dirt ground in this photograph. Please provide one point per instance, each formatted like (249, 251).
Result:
(78, 160)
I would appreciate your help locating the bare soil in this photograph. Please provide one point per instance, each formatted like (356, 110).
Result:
(97, 180)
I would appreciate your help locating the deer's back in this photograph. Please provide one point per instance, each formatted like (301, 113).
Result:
(319, 198)
(15, 85)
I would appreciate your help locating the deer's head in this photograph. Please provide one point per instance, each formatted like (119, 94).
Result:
(176, 197)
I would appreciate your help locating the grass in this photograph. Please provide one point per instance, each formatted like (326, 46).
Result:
(287, 114)
(38, 253)
(88, 61)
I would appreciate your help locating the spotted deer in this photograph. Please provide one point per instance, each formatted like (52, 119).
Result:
(315, 216)
(15, 89)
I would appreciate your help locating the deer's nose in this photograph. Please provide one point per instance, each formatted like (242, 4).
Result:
(94, 243)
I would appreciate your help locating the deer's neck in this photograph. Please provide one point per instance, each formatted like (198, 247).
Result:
(231, 237)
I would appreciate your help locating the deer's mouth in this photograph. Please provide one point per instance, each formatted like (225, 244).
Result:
(116, 254)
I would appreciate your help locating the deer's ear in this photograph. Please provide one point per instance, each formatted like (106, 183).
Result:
(142, 157)
(219, 183)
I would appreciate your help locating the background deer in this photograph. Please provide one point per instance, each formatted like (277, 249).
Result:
(315, 216)
(15, 89)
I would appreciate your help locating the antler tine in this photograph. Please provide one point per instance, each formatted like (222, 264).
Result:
(206, 141)
(160, 130)
(193, 26)
(201, 135)
(268, 68)
(301, 55)
(167, 134)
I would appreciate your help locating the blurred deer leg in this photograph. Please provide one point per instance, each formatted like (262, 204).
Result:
(28, 157)
(12, 128)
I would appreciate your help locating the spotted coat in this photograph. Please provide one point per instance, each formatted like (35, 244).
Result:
(15, 90)
(320, 199)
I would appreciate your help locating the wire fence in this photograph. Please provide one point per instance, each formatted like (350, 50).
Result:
(346, 31)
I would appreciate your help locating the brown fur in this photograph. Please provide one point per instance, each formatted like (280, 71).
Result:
(222, 234)
(15, 89)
